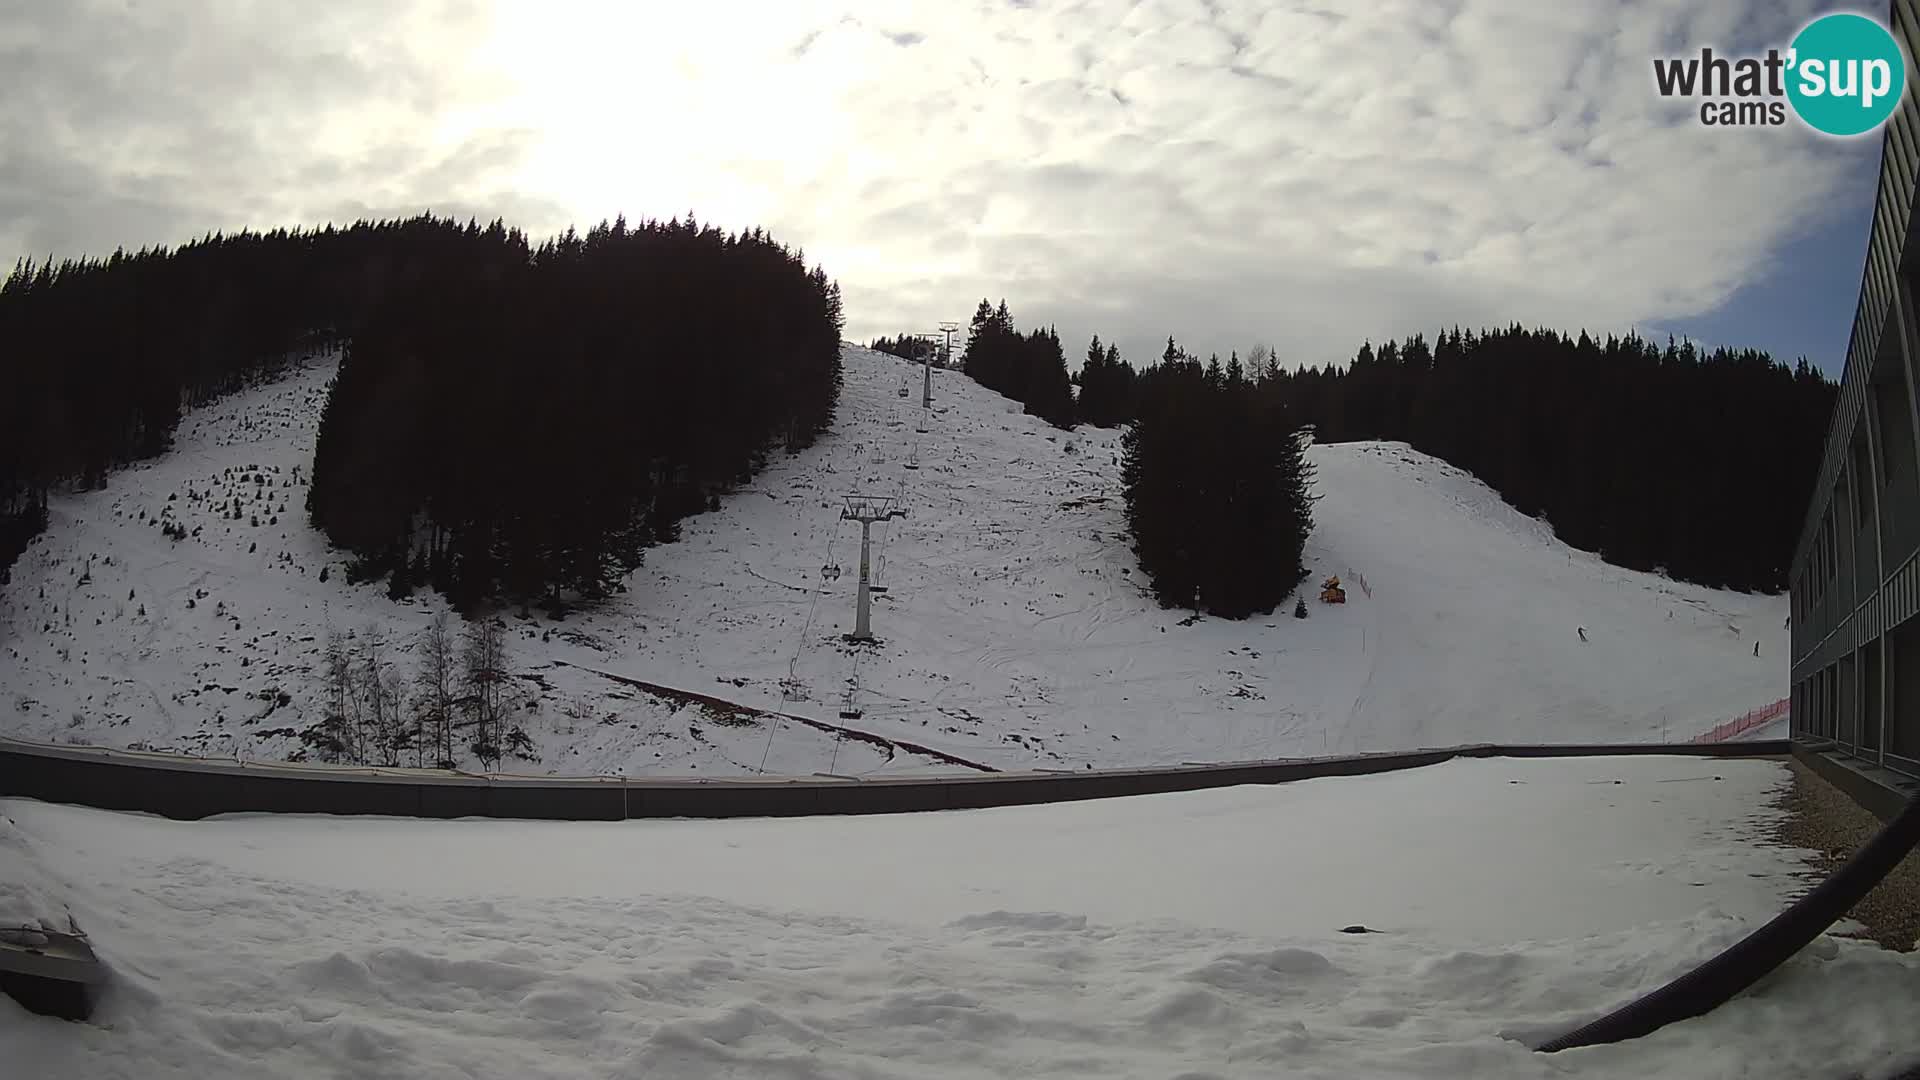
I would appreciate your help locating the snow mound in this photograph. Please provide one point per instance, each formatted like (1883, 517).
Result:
(1015, 628)
(29, 896)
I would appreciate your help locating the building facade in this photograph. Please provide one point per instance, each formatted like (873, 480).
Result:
(1855, 580)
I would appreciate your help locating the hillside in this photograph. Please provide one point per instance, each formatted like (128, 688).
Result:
(1015, 633)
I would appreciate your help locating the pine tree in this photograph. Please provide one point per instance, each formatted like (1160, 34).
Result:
(1217, 492)
(1049, 394)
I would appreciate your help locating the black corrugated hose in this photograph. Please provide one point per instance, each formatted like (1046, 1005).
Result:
(1744, 963)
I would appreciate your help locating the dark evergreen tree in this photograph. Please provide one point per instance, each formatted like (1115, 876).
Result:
(1048, 392)
(1217, 491)
(906, 347)
(1030, 368)
(1106, 386)
(533, 430)
(496, 406)
(101, 355)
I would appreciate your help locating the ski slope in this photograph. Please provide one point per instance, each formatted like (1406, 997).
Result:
(1195, 935)
(1016, 632)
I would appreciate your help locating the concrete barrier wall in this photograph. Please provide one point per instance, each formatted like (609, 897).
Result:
(189, 788)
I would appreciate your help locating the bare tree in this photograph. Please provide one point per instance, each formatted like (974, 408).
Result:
(1262, 363)
(393, 689)
(382, 715)
(339, 667)
(434, 686)
(483, 672)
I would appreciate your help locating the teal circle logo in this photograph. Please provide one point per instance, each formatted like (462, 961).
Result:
(1845, 74)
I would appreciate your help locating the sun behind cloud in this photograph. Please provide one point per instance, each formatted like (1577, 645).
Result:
(1226, 171)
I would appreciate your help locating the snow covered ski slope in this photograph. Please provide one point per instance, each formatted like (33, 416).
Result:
(1015, 629)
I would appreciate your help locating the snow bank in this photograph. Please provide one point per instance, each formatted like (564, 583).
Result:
(29, 896)
(319, 947)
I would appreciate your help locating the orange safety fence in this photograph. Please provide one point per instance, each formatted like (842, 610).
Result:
(1746, 722)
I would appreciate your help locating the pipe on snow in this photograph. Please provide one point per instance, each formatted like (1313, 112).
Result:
(1745, 962)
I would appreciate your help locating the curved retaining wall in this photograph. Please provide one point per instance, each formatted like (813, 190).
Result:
(188, 788)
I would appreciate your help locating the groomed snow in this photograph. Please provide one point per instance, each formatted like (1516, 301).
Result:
(1192, 935)
(1017, 632)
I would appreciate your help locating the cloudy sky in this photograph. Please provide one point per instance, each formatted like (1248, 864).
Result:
(1307, 173)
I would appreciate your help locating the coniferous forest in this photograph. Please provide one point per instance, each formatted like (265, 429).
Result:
(1029, 368)
(99, 357)
(1697, 464)
(1657, 458)
(1217, 488)
(1214, 475)
(1106, 384)
(526, 429)
(905, 347)
(469, 368)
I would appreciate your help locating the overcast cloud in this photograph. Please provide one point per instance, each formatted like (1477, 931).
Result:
(1302, 172)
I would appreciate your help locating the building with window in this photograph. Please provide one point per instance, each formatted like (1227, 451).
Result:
(1855, 580)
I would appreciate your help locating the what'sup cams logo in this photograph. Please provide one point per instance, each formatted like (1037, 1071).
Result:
(1842, 75)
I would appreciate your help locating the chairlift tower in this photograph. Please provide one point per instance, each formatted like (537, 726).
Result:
(949, 328)
(867, 509)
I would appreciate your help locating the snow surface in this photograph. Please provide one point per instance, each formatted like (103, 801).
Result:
(29, 899)
(1189, 935)
(1017, 633)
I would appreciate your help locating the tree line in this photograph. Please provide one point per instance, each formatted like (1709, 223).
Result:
(1695, 463)
(1029, 368)
(1667, 458)
(906, 347)
(99, 356)
(522, 428)
(1217, 487)
(506, 421)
